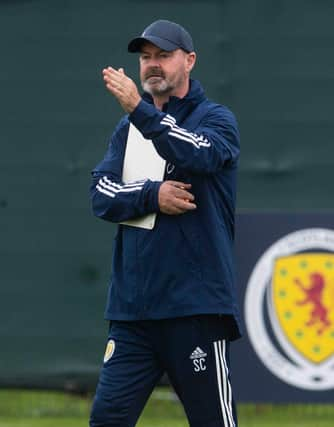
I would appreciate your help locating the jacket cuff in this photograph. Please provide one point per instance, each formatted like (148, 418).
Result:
(152, 196)
(147, 119)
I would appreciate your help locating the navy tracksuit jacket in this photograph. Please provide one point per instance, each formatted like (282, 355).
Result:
(184, 266)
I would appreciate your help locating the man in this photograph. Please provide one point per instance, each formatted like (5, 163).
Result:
(171, 303)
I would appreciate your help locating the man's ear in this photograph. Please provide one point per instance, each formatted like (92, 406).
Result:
(190, 61)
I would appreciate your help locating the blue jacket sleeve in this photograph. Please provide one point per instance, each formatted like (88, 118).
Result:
(213, 145)
(114, 200)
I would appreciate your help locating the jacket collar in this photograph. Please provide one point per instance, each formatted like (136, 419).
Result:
(181, 107)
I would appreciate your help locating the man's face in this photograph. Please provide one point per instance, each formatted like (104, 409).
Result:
(163, 72)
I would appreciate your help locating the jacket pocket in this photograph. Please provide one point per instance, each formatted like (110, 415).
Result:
(191, 239)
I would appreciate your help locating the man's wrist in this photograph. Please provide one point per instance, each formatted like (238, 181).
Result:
(133, 104)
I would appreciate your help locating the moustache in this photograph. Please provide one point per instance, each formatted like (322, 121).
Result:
(154, 72)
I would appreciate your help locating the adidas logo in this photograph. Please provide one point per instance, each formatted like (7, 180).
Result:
(197, 353)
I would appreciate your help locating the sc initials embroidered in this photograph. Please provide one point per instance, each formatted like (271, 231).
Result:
(198, 357)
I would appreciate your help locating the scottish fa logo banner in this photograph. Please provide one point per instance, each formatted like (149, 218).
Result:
(302, 304)
(289, 309)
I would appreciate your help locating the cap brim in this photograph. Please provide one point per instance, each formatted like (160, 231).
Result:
(135, 45)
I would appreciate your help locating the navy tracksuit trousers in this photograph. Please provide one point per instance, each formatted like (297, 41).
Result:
(193, 351)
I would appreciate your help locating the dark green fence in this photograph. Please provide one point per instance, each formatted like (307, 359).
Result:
(270, 62)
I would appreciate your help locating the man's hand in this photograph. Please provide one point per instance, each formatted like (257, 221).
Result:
(122, 87)
(174, 199)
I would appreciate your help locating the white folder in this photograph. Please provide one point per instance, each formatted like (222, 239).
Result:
(141, 161)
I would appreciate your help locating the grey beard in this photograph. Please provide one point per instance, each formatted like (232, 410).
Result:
(159, 89)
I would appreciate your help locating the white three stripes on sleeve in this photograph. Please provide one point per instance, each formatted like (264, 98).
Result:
(224, 385)
(197, 140)
(111, 189)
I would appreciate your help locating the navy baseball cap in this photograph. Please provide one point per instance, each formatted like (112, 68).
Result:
(165, 34)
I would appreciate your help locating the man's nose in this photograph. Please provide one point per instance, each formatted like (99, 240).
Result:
(154, 62)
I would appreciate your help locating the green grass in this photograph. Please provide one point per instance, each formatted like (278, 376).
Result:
(19, 408)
